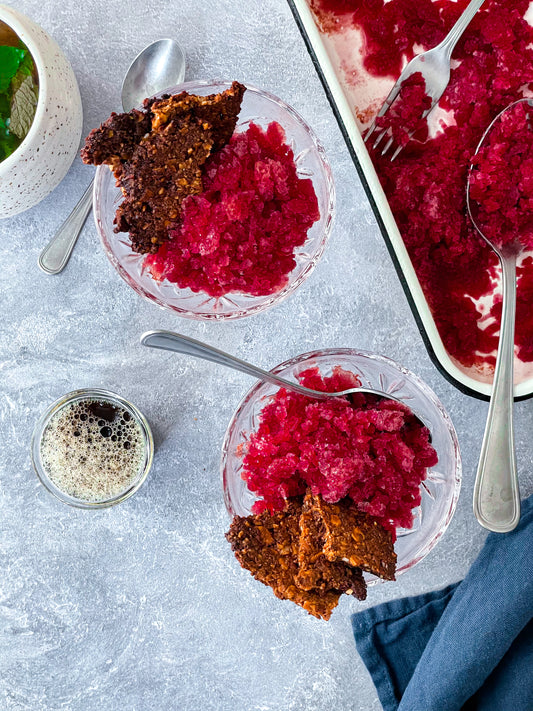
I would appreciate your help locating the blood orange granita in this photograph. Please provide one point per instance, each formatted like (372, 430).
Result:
(240, 234)
(426, 184)
(373, 450)
(501, 181)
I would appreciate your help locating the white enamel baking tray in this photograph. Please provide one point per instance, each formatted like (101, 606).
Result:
(353, 106)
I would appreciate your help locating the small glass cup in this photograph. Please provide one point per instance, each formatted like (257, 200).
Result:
(98, 395)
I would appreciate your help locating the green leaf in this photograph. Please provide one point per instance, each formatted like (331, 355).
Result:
(23, 104)
(10, 60)
(27, 65)
(5, 106)
(8, 141)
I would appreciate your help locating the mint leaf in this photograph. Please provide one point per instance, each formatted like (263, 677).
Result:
(8, 142)
(27, 63)
(23, 103)
(10, 60)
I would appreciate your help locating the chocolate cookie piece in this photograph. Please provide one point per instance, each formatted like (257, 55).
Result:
(267, 545)
(115, 140)
(157, 156)
(164, 170)
(220, 111)
(355, 538)
(314, 569)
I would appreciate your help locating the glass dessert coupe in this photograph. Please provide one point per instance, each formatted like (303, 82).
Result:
(439, 491)
(261, 108)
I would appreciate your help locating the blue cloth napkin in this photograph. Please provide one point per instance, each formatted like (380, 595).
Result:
(468, 646)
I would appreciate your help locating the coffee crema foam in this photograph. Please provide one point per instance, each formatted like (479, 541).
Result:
(93, 450)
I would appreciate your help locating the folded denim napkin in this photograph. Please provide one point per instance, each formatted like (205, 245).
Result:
(468, 646)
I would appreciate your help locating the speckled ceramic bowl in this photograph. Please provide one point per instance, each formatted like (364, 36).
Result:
(44, 156)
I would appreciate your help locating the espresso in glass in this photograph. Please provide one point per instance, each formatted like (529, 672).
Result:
(92, 448)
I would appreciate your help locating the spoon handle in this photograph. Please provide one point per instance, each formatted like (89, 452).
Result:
(55, 255)
(496, 492)
(169, 341)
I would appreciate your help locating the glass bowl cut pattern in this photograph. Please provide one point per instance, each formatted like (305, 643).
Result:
(261, 108)
(439, 491)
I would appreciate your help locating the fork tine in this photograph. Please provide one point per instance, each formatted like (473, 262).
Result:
(434, 102)
(425, 113)
(399, 150)
(387, 146)
(370, 131)
(380, 138)
(393, 93)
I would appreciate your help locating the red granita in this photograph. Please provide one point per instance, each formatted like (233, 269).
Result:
(405, 119)
(501, 181)
(391, 28)
(241, 232)
(371, 449)
(426, 183)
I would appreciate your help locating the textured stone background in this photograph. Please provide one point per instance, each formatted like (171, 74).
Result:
(143, 606)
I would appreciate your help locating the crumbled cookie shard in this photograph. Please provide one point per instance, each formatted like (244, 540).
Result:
(115, 140)
(219, 111)
(314, 569)
(164, 170)
(157, 154)
(355, 538)
(267, 545)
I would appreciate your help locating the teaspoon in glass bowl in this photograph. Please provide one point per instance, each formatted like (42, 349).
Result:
(170, 341)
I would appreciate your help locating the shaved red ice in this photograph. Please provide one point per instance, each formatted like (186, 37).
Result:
(501, 182)
(405, 119)
(426, 184)
(372, 450)
(240, 234)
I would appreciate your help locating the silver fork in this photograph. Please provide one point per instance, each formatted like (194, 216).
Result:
(434, 65)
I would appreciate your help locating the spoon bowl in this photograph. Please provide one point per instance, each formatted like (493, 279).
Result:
(158, 66)
(496, 491)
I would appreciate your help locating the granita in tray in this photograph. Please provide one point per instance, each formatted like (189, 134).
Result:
(501, 181)
(214, 211)
(426, 184)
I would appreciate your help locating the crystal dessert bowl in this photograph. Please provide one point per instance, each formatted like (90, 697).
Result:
(439, 491)
(261, 108)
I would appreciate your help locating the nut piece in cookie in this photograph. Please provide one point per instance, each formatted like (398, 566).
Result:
(355, 538)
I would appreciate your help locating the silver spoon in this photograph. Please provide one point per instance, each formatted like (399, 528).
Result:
(169, 341)
(158, 66)
(496, 491)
